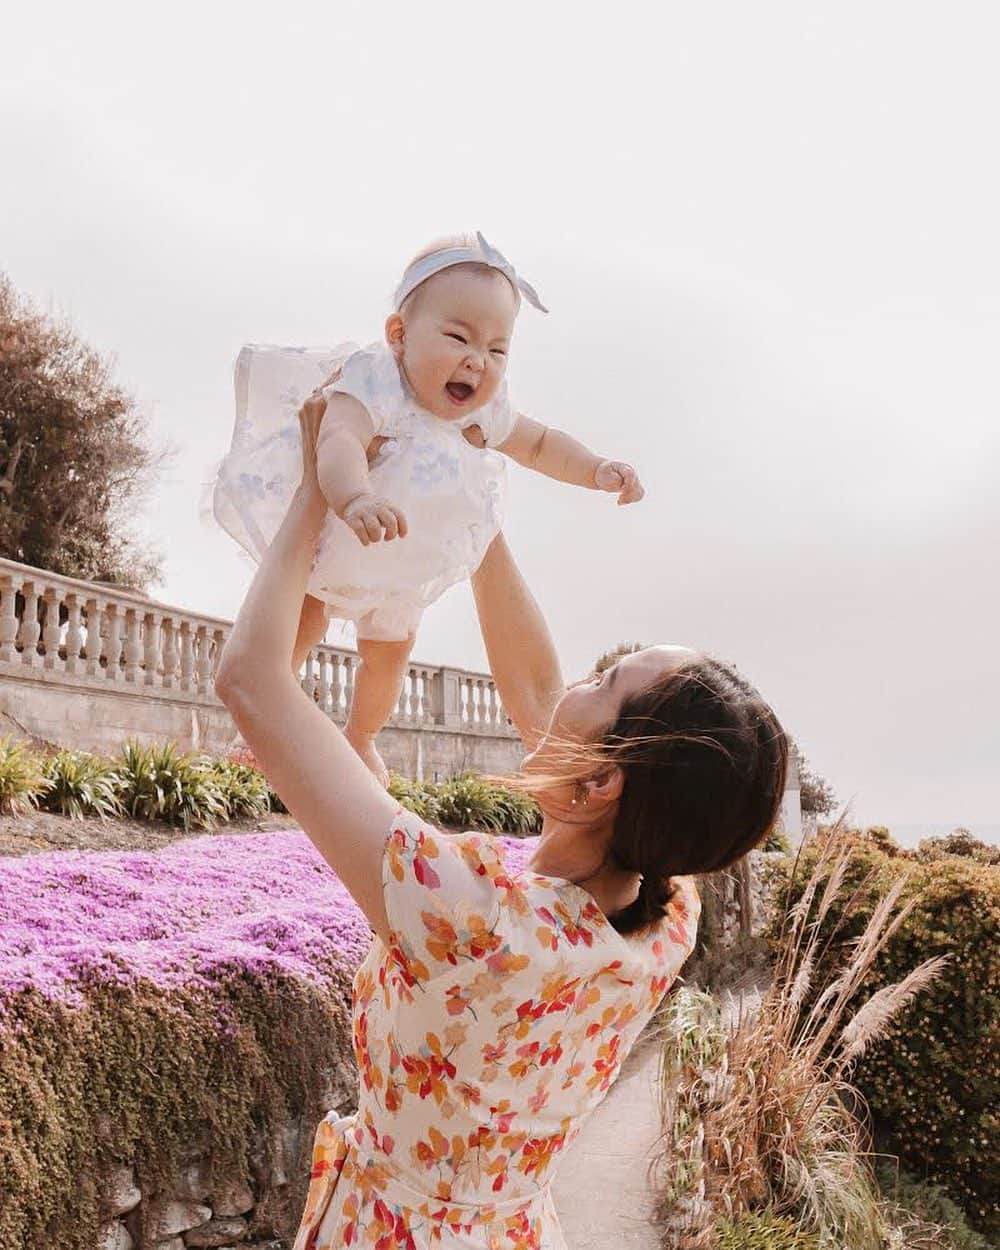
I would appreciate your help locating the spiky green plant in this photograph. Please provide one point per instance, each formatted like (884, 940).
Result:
(244, 789)
(158, 783)
(763, 1230)
(759, 1111)
(22, 779)
(418, 797)
(80, 785)
(467, 801)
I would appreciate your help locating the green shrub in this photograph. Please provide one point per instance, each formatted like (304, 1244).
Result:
(22, 781)
(763, 1230)
(925, 1216)
(157, 783)
(469, 801)
(777, 840)
(81, 785)
(958, 842)
(244, 789)
(418, 797)
(933, 1081)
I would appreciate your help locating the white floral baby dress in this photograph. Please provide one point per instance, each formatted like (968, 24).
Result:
(451, 492)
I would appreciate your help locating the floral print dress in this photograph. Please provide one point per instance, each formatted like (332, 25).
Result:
(486, 1033)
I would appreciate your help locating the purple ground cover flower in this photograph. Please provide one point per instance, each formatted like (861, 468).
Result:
(187, 914)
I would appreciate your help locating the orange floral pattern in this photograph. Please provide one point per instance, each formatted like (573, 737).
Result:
(485, 1032)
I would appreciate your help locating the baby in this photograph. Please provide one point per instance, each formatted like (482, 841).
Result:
(411, 459)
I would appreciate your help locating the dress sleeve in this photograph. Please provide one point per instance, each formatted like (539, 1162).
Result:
(683, 914)
(362, 377)
(497, 419)
(443, 895)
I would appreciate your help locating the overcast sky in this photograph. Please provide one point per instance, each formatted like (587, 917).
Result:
(768, 238)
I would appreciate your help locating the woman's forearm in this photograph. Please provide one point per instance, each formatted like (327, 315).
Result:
(521, 653)
(265, 630)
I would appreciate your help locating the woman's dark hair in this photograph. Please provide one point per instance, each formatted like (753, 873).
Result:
(704, 760)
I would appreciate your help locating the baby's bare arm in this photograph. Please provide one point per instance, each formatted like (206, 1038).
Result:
(344, 449)
(557, 455)
(341, 451)
(551, 452)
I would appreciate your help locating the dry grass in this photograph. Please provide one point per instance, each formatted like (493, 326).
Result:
(759, 1110)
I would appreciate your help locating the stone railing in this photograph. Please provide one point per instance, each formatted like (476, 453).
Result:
(96, 635)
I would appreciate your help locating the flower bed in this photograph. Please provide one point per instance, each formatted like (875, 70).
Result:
(162, 1007)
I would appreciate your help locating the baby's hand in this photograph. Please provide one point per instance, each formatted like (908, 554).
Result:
(619, 478)
(372, 519)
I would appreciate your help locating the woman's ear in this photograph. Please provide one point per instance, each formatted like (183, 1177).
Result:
(607, 787)
(395, 333)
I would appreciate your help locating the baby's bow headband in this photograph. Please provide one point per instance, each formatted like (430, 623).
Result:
(482, 254)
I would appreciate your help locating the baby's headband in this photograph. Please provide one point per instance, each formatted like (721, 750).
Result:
(482, 254)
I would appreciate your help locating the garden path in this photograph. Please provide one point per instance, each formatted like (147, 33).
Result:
(602, 1191)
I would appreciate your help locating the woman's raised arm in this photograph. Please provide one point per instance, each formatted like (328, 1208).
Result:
(521, 653)
(306, 758)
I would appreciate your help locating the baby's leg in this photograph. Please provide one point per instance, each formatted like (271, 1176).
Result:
(312, 630)
(377, 684)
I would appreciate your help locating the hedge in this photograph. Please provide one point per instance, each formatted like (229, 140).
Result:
(933, 1083)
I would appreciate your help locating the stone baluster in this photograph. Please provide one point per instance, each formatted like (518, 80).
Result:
(132, 648)
(187, 655)
(95, 620)
(309, 678)
(52, 632)
(325, 689)
(113, 641)
(171, 655)
(418, 696)
(401, 711)
(204, 663)
(337, 684)
(152, 623)
(468, 714)
(493, 710)
(221, 637)
(30, 630)
(350, 665)
(74, 633)
(8, 618)
(483, 702)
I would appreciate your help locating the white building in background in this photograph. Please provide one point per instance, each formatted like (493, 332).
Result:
(791, 802)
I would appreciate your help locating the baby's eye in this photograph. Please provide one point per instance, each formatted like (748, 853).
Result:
(499, 351)
(457, 337)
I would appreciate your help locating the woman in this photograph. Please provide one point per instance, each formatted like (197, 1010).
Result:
(495, 1008)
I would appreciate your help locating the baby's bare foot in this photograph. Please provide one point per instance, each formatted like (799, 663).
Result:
(364, 745)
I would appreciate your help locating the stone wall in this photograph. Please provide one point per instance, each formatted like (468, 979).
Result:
(86, 665)
(255, 1212)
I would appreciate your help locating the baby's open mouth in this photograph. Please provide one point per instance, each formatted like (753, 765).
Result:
(460, 391)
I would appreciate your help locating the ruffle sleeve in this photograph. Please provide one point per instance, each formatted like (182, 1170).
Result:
(443, 895)
(371, 376)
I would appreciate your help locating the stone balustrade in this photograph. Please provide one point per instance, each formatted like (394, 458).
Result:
(106, 640)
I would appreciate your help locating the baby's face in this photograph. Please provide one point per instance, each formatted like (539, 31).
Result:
(452, 343)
